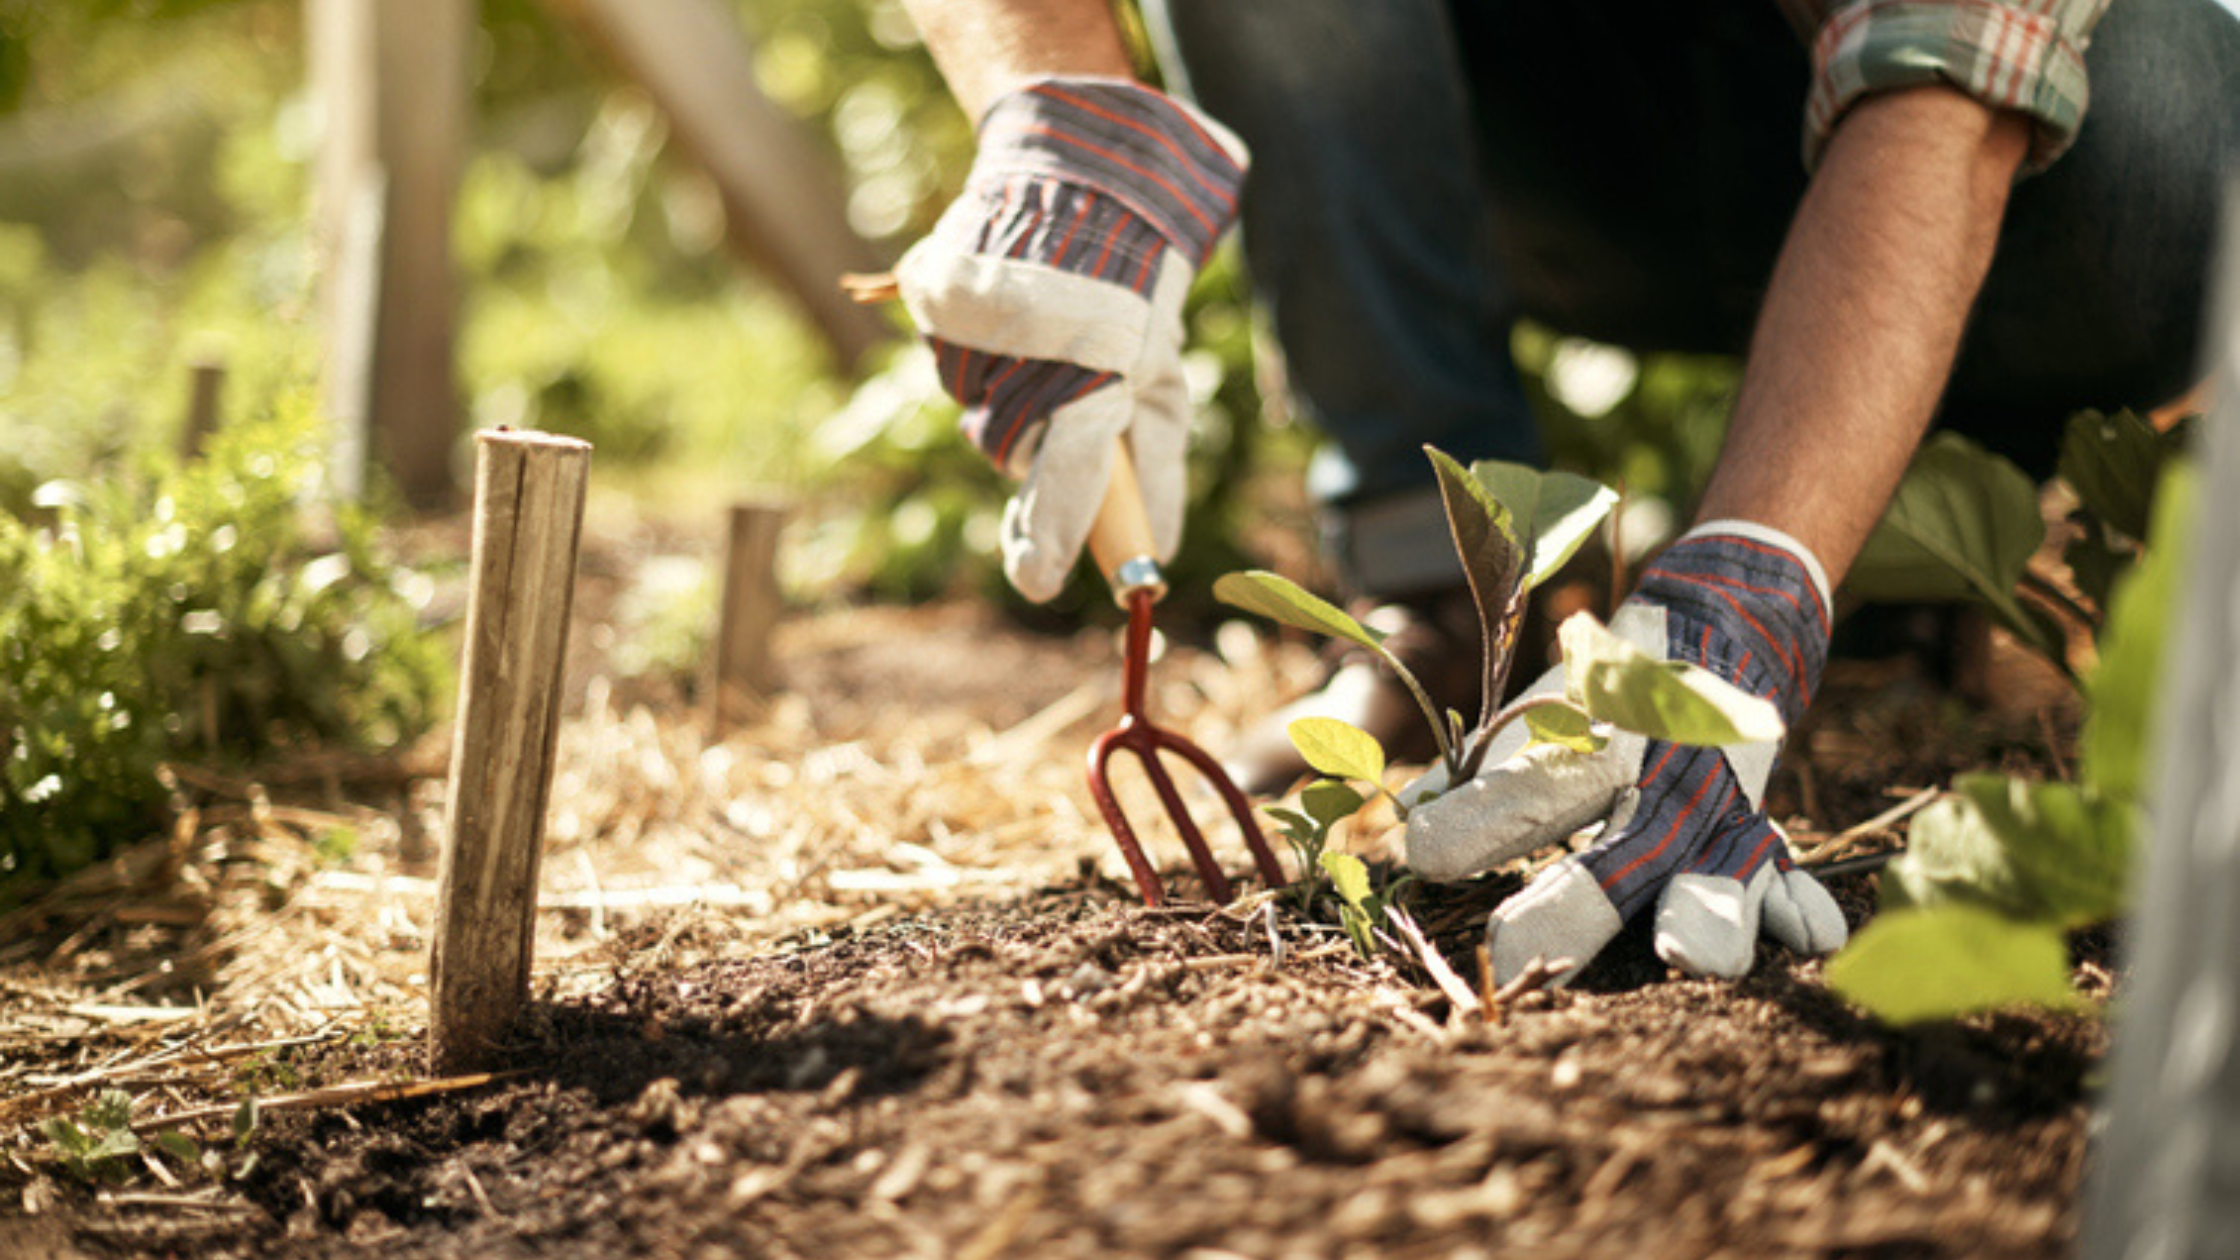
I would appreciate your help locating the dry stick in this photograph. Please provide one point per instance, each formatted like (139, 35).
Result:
(740, 668)
(348, 1095)
(528, 522)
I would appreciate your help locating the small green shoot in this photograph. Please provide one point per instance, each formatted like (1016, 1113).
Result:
(1362, 906)
(1514, 527)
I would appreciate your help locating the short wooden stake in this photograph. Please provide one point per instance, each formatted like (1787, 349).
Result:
(528, 520)
(741, 674)
(206, 388)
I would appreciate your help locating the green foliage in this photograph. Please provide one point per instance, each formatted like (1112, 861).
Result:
(1361, 905)
(1910, 966)
(190, 612)
(1963, 525)
(98, 1146)
(1338, 749)
(1505, 553)
(1992, 877)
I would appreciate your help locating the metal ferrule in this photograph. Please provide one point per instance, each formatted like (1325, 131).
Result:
(1140, 573)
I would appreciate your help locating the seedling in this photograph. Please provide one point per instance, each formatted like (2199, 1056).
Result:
(1514, 527)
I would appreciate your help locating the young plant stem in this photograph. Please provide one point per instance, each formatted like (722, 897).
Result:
(1514, 711)
(1447, 751)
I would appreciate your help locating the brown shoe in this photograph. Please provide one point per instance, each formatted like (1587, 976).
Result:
(1435, 636)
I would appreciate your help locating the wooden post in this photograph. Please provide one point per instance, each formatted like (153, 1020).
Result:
(785, 204)
(528, 518)
(391, 81)
(206, 385)
(741, 673)
(2165, 1181)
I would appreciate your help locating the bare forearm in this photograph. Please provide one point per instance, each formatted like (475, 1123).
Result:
(985, 47)
(1863, 317)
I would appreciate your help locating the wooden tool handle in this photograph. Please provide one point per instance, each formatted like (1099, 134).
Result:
(1120, 537)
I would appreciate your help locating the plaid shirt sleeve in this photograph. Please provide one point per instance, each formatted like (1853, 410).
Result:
(2023, 55)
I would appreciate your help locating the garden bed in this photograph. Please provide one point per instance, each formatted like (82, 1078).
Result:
(864, 979)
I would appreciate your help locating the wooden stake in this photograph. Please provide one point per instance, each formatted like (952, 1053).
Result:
(528, 520)
(206, 387)
(741, 673)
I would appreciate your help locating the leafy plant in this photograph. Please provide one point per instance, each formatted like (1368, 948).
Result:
(1975, 911)
(99, 1145)
(96, 1146)
(1514, 527)
(191, 611)
(1362, 905)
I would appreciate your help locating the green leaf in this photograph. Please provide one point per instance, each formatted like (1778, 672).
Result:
(1564, 726)
(1485, 537)
(2069, 847)
(1951, 854)
(1338, 749)
(1350, 876)
(1280, 599)
(245, 1119)
(1910, 966)
(1618, 683)
(110, 1109)
(69, 1140)
(2113, 749)
(2113, 462)
(1328, 801)
(2047, 852)
(179, 1147)
(1300, 828)
(1554, 513)
(1963, 525)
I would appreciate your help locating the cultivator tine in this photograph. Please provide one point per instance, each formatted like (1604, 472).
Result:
(1137, 734)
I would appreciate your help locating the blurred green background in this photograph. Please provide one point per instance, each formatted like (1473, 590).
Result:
(155, 181)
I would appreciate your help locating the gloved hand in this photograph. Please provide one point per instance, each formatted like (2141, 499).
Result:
(1051, 291)
(1685, 827)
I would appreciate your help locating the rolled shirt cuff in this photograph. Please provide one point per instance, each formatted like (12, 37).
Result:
(2029, 59)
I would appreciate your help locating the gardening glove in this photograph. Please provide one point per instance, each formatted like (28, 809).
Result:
(1051, 291)
(1683, 827)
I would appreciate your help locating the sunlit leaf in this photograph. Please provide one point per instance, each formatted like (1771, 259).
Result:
(1564, 726)
(1327, 801)
(1280, 599)
(1485, 538)
(179, 1147)
(2054, 853)
(1350, 876)
(1554, 513)
(1910, 966)
(1618, 683)
(2069, 846)
(1339, 749)
(2113, 749)
(1963, 525)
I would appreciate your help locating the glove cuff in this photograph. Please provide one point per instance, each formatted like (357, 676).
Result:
(1748, 603)
(1177, 169)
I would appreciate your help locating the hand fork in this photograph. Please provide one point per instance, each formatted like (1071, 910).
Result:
(1120, 539)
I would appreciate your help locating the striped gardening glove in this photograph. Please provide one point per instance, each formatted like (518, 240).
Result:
(1684, 827)
(1051, 292)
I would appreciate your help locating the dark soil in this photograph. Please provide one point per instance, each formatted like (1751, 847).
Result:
(1062, 1072)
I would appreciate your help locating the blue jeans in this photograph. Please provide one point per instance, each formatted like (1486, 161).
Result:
(1426, 172)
